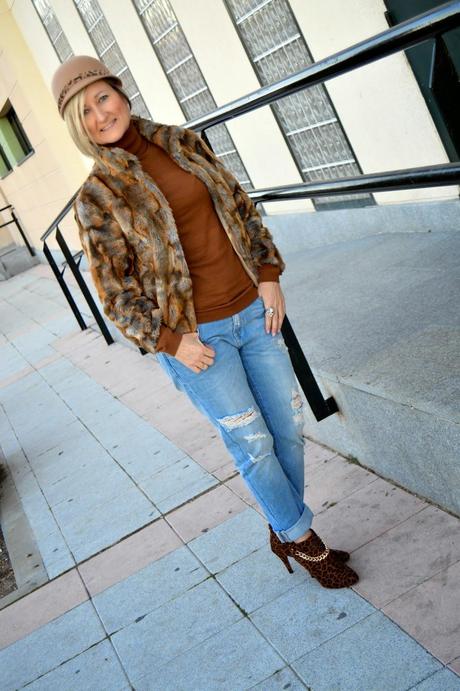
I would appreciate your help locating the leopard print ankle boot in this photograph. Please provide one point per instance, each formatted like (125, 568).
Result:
(278, 548)
(321, 563)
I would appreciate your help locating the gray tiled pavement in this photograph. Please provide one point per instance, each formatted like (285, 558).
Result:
(96, 668)
(61, 397)
(395, 661)
(50, 646)
(243, 655)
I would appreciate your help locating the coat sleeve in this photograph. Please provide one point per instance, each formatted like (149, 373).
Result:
(112, 266)
(263, 249)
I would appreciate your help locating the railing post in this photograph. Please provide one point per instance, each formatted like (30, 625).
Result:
(83, 287)
(321, 407)
(15, 220)
(68, 295)
(24, 237)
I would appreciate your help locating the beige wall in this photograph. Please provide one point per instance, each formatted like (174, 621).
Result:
(380, 106)
(41, 186)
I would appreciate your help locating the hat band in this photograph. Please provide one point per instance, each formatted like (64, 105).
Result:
(74, 80)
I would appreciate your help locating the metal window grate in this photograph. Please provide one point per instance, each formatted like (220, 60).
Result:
(53, 29)
(185, 77)
(314, 135)
(109, 51)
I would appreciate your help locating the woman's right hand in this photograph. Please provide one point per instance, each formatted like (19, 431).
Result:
(193, 353)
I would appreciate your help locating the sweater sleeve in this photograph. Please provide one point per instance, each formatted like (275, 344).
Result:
(268, 272)
(168, 340)
(111, 264)
(263, 249)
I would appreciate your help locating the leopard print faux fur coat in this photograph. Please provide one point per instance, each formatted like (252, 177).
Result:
(131, 242)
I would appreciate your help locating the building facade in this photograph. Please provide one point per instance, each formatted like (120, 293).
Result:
(179, 60)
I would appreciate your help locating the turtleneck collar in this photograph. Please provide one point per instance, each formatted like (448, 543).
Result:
(131, 141)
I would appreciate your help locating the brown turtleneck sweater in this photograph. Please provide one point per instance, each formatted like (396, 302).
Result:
(221, 286)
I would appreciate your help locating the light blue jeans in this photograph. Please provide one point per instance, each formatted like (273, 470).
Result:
(250, 394)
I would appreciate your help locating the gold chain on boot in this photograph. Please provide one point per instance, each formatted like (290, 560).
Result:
(320, 557)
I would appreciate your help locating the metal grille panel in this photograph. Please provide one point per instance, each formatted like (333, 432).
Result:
(53, 29)
(313, 133)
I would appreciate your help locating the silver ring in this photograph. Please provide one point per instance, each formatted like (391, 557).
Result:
(270, 311)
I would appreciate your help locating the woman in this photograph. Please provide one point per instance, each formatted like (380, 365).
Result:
(159, 216)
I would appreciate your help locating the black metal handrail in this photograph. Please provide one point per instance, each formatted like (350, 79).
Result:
(73, 262)
(393, 40)
(15, 220)
(413, 178)
(400, 37)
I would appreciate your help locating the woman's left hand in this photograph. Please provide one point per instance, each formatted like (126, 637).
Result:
(272, 296)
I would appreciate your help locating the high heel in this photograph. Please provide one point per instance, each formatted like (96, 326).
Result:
(279, 549)
(320, 561)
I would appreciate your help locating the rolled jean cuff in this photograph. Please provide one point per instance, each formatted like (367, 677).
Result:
(302, 526)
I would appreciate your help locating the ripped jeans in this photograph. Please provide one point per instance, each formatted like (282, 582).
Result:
(251, 395)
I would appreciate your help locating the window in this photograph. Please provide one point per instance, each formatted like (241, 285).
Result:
(109, 51)
(185, 77)
(313, 133)
(14, 144)
(53, 29)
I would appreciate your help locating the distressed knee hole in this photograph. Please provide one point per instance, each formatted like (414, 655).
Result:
(296, 400)
(297, 407)
(239, 419)
(256, 436)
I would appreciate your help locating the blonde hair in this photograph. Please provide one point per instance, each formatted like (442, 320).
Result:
(75, 121)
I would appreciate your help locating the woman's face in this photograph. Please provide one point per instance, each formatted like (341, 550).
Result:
(106, 113)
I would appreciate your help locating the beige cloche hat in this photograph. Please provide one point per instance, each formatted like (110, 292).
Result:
(76, 73)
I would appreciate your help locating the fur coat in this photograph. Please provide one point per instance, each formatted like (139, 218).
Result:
(131, 242)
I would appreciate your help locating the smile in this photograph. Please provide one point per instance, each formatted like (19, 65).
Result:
(108, 126)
